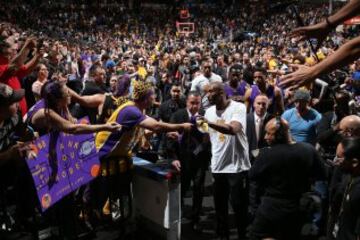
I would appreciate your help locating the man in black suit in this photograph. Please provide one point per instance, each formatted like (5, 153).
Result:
(255, 132)
(189, 153)
(255, 123)
(166, 110)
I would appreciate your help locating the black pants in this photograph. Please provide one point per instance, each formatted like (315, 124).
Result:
(231, 185)
(197, 176)
(277, 218)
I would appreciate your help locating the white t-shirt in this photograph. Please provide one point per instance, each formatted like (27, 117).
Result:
(199, 83)
(229, 152)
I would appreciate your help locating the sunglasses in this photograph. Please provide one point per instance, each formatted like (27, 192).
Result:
(235, 71)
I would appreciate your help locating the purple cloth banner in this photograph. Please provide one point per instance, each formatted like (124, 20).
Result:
(58, 171)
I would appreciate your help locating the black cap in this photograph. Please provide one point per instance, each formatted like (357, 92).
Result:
(9, 96)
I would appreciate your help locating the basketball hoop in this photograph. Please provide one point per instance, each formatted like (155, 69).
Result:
(185, 27)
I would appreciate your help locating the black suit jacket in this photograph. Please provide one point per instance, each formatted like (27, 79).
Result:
(251, 132)
(185, 150)
(327, 137)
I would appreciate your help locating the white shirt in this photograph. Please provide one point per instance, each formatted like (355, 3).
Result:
(190, 115)
(229, 152)
(258, 122)
(198, 84)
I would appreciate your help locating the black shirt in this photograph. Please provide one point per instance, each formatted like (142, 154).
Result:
(349, 227)
(285, 171)
(91, 88)
(327, 137)
(10, 131)
(169, 107)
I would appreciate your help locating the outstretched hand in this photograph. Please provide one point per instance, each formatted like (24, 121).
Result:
(187, 127)
(302, 76)
(319, 31)
(114, 126)
(30, 43)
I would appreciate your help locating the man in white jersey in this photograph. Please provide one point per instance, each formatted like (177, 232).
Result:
(230, 158)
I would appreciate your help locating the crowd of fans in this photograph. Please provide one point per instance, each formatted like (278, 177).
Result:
(86, 60)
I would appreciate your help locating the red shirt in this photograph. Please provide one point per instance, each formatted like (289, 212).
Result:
(13, 80)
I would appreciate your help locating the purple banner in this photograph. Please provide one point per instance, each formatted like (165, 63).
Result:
(61, 164)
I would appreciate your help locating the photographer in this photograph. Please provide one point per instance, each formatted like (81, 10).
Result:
(11, 124)
(14, 137)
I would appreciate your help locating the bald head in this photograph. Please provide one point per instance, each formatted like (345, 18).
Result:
(350, 126)
(217, 86)
(273, 123)
(272, 129)
(216, 93)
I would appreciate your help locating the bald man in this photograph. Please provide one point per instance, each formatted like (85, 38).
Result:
(346, 224)
(230, 158)
(350, 126)
(285, 171)
(256, 121)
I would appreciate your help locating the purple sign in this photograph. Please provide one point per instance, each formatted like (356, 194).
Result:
(59, 165)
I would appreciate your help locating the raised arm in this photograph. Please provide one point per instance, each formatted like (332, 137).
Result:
(279, 101)
(17, 62)
(63, 125)
(90, 101)
(20, 58)
(346, 54)
(156, 126)
(321, 30)
(34, 61)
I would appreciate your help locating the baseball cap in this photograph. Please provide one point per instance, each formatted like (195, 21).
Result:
(302, 94)
(110, 64)
(9, 96)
